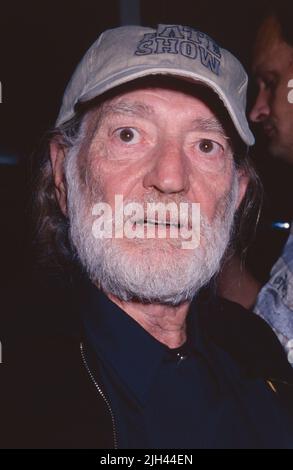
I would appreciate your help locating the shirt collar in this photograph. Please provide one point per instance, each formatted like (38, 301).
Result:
(131, 352)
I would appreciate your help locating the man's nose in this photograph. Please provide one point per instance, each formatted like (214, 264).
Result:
(169, 172)
(261, 109)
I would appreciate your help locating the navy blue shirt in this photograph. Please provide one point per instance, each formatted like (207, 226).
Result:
(194, 397)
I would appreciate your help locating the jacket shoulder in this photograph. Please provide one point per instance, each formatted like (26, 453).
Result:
(247, 338)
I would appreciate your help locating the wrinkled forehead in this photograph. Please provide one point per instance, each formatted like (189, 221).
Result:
(134, 93)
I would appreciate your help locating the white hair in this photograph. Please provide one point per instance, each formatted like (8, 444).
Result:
(151, 272)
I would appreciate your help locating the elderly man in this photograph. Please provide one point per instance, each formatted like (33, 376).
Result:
(150, 116)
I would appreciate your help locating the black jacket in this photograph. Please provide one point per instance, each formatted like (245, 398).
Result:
(49, 400)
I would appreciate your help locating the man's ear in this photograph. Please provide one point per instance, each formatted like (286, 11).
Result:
(57, 155)
(243, 182)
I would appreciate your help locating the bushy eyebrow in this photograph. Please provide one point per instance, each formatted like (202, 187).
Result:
(209, 125)
(136, 109)
(139, 109)
(132, 109)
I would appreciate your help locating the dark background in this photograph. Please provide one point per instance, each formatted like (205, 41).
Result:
(40, 44)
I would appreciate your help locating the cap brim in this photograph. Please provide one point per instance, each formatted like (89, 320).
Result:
(239, 120)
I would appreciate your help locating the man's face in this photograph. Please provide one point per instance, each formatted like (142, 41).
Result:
(273, 68)
(163, 144)
(155, 145)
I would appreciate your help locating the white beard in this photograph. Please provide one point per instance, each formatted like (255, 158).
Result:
(149, 271)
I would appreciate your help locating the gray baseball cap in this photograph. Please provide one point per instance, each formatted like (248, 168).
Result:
(127, 53)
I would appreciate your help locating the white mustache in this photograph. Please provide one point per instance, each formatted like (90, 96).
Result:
(178, 222)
